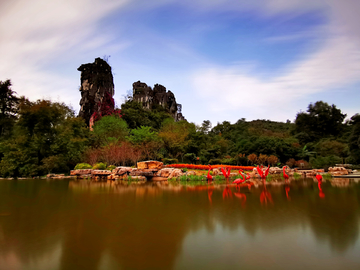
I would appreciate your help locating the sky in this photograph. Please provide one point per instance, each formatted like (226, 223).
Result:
(223, 59)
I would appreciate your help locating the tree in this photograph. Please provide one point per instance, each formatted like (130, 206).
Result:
(136, 116)
(252, 158)
(110, 128)
(8, 107)
(174, 135)
(46, 137)
(321, 120)
(147, 140)
(354, 139)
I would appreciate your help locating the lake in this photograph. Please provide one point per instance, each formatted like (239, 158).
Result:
(61, 224)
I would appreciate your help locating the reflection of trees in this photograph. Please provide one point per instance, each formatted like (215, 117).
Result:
(133, 223)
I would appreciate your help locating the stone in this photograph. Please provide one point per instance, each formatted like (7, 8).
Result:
(80, 172)
(122, 170)
(216, 172)
(97, 83)
(164, 172)
(191, 173)
(150, 164)
(145, 172)
(100, 172)
(148, 97)
(175, 173)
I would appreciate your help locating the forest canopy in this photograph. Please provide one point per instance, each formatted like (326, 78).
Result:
(40, 137)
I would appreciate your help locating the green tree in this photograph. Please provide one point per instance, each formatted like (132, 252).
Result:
(8, 107)
(147, 140)
(46, 137)
(110, 128)
(320, 121)
(174, 135)
(136, 116)
(354, 139)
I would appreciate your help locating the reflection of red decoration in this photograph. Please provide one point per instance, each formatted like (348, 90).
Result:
(265, 195)
(287, 189)
(210, 192)
(321, 193)
(242, 197)
(227, 192)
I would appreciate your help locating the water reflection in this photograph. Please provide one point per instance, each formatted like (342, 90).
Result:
(84, 225)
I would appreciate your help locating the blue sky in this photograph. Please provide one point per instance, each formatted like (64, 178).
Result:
(223, 60)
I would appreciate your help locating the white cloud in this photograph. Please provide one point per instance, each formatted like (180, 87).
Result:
(36, 33)
(335, 64)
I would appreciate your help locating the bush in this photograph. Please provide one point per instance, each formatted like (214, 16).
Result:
(81, 166)
(325, 162)
(215, 161)
(111, 167)
(170, 161)
(99, 166)
(228, 161)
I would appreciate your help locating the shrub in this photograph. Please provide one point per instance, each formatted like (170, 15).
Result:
(170, 160)
(215, 161)
(111, 167)
(291, 162)
(325, 162)
(99, 166)
(81, 166)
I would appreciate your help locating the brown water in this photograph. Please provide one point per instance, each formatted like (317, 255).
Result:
(83, 225)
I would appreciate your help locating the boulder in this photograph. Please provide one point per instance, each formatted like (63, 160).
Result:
(150, 164)
(164, 172)
(122, 170)
(216, 172)
(190, 173)
(80, 172)
(175, 173)
(100, 172)
(145, 172)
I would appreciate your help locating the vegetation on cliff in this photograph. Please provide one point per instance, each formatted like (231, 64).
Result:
(45, 136)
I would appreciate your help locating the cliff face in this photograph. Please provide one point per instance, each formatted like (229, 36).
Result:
(157, 96)
(96, 82)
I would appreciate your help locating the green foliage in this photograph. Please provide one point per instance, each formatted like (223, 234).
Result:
(215, 161)
(100, 166)
(324, 162)
(170, 161)
(8, 108)
(81, 166)
(354, 139)
(110, 128)
(320, 121)
(136, 116)
(111, 167)
(46, 138)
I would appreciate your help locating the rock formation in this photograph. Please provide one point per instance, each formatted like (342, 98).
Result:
(96, 84)
(158, 96)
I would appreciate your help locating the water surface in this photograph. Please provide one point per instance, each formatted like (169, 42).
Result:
(83, 225)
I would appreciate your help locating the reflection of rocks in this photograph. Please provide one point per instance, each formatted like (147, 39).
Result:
(142, 225)
(340, 182)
